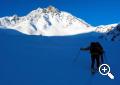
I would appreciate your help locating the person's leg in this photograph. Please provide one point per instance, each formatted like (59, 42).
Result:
(98, 61)
(92, 62)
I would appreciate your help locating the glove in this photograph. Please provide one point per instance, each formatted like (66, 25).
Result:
(82, 49)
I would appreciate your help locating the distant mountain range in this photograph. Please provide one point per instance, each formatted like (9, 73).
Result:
(52, 22)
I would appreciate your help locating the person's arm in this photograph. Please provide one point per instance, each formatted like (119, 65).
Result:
(85, 49)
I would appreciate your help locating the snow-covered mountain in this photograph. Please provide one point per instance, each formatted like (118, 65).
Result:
(105, 28)
(110, 32)
(47, 22)
(52, 22)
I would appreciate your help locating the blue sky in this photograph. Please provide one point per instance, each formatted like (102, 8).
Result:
(95, 12)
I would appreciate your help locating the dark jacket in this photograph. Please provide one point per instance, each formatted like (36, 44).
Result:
(95, 48)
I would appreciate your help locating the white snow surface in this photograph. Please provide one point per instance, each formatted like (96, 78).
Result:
(105, 28)
(47, 22)
(52, 22)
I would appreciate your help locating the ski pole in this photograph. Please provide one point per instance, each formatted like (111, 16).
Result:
(76, 57)
(105, 58)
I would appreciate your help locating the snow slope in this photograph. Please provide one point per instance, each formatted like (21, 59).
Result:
(40, 60)
(47, 22)
(52, 22)
(105, 28)
(109, 32)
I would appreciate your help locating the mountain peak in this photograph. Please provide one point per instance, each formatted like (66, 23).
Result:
(46, 21)
(49, 9)
(52, 9)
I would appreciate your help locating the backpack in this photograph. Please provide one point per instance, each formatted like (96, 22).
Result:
(96, 48)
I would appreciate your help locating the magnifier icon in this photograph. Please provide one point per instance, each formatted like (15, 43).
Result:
(104, 69)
